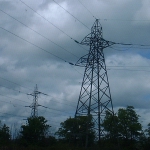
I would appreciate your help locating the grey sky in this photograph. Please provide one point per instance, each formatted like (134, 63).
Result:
(43, 28)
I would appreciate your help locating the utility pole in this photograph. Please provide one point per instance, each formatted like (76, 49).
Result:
(95, 97)
(34, 105)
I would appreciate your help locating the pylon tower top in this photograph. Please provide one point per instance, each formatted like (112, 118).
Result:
(94, 39)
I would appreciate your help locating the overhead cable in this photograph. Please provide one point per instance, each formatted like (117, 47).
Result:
(35, 45)
(14, 82)
(71, 14)
(87, 9)
(51, 23)
(38, 33)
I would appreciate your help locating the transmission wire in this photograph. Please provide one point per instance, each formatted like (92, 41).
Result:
(38, 33)
(71, 14)
(52, 24)
(36, 45)
(87, 10)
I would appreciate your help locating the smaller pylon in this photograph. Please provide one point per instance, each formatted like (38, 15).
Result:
(34, 105)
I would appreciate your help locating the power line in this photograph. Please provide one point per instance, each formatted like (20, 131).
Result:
(87, 9)
(39, 105)
(13, 89)
(27, 94)
(14, 105)
(28, 102)
(121, 50)
(131, 47)
(78, 72)
(128, 20)
(127, 66)
(142, 45)
(109, 19)
(52, 24)
(20, 116)
(119, 43)
(55, 99)
(12, 115)
(14, 98)
(46, 20)
(62, 103)
(128, 70)
(125, 44)
(54, 109)
(104, 19)
(43, 107)
(14, 82)
(71, 14)
(38, 33)
(36, 46)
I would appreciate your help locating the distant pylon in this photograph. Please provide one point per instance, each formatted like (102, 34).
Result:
(34, 105)
(95, 97)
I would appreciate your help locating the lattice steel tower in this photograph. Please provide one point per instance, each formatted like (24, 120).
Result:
(95, 96)
(34, 105)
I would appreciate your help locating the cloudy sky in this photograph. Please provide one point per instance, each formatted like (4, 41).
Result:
(37, 42)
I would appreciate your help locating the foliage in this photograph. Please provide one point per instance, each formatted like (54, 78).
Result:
(147, 131)
(124, 126)
(4, 134)
(35, 130)
(110, 125)
(123, 132)
(128, 123)
(74, 130)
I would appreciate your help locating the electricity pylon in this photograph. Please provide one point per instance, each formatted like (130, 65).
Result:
(95, 97)
(34, 105)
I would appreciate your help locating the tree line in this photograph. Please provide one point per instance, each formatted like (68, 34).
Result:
(123, 131)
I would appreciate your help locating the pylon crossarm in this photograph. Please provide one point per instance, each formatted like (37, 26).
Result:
(106, 43)
(82, 62)
(86, 40)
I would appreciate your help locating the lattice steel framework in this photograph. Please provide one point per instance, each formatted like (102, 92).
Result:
(34, 105)
(95, 96)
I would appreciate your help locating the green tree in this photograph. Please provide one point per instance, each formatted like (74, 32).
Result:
(123, 127)
(147, 134)
(147, 131)
(4, 134)
(74, 130)
(35, 130)
(128, 123)
(110, 125)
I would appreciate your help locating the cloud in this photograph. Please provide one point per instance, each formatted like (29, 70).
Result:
(44, 44)
(128, 83)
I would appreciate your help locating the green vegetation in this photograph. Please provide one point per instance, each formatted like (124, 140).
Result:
(4, 134)
(74, 130)
(123, 128)
(123, 132)
(35, 131)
